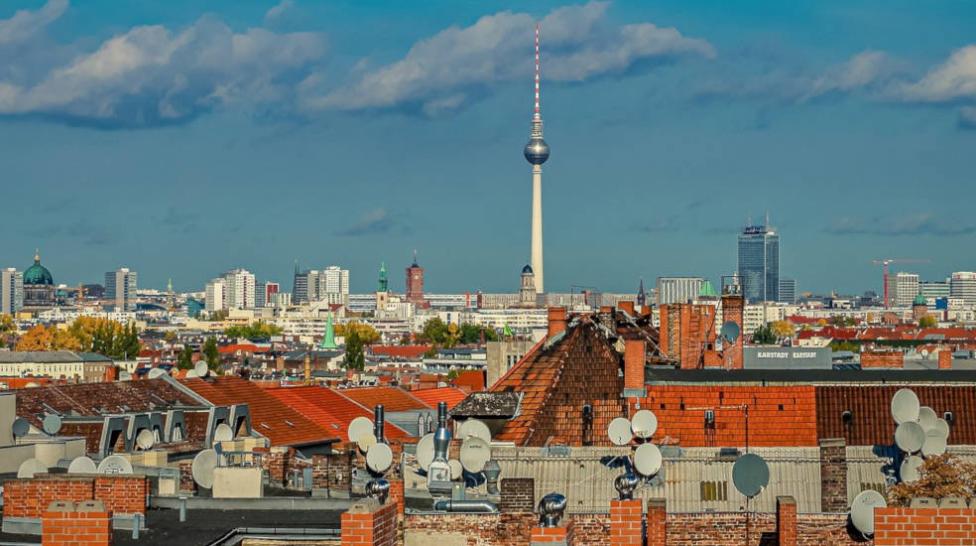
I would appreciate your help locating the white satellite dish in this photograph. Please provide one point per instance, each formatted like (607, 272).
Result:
(201, 369)
(457, 469)
(190, 373)
(927, 418)
(942, 426)
(203, 468)
(905, 406)
(473, 428)
(644, 424)
(20, 427)
(475, 454)
(114, 464)
(425, 451)
(366, 442)
(647, 460)
(125, 376)
(620, 432)
(379, 458)
(223, 433)
(358, 427)
(82, 465)
(31, 467)
(909, 436)
(935, 443)
(145, 439)
(51, 424)
(909, 469)
(862, 510)
(156, 373)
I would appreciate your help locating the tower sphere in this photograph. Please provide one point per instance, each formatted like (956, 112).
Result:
(536, 151)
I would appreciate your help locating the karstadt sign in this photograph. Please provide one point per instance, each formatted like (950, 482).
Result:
(787, 358)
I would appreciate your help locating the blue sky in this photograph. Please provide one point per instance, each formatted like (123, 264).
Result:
(183, 141)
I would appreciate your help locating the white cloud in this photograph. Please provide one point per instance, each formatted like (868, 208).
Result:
(24, 24)
(860, 71)
(444, 71)
(952, 80)
(277, 11)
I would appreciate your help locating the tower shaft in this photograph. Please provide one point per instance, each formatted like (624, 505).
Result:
(537, 228)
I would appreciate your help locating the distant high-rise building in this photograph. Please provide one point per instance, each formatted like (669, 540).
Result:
(933, 290)
(333, 286)
(415, 284)
(902, 289)
(215, 292)
(120, 287)
(787, 291)
(759, 263)
(536, 153)
(11, 291)
(264, 292)
(678, 289)
(962, 284)
(239, 289)
(299, 287)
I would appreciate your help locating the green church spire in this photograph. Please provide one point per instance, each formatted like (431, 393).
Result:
(384, 284)
(328, 341)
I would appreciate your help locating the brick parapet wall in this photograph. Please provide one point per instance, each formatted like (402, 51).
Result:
(517, 495)
(882, 359)
(931, 526)
(30, 497)
(122, 495)
(66, 523)
(786, 521)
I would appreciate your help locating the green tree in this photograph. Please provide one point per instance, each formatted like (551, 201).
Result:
(366, 333)
(435, 331)
(185, 361)
(355, 355)
(256, 330)
(472, 333)
(764, 336)
(211, 354)
(928, 321)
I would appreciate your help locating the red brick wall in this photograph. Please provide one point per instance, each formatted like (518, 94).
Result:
(626, 522)
(786, 521)
(562, 534)
(687, 332)
(505, 529)
(29, 498)
(945, 359)
(915, 526)
(368, 523)
(65, 523)
(635, 357)
(733, 311)
(122, 494)
(517, 495)
(657, 521)
(882, 359)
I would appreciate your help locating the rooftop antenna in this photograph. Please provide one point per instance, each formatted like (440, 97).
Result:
(862, 510)
(203, 468)
(537, 114)
(115, 464)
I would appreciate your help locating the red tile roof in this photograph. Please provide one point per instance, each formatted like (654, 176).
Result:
(392, 398)
(244, 348)
(270, 417)
(431, 397)
(472, 380)
(330, 409)
(411, 352)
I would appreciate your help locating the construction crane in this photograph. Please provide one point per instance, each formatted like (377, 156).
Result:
(885, 262)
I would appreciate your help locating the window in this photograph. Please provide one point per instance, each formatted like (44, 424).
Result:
(714, 491)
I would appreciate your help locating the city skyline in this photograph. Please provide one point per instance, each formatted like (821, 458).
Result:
(248, 180)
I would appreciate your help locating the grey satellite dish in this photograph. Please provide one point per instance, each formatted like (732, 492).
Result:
(935, 443)
(379, 458)
(201, 369)
(31, 467)
(473, 428)
(927, 418)
(909, 470)
(20, 428)
(647, 460)
(644, 424)
(203, 468)
(51, 424)
(223, 433)
(457, 469)
(750, 474)
(425, 451)
(82, 465)
(862, 510)
(909, 436)
(475, 454)
(620, 432)
(905, 406)
(942, 426)
(125, 376)
(729, 332)
(358, 427)
(145, 439)
(114, 464)
(156, 373)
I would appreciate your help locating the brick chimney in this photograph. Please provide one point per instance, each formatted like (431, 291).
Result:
(627, 306)
(635, 357)
(557, 321)
(945, 358)
(786, 521)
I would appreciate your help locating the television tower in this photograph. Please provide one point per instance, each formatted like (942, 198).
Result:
(536, 153)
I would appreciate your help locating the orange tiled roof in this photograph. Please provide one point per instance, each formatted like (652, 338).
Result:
(330, 409)
(392, 398)
(472, 380)
(431, 397)
(400, 351)
(270, 417)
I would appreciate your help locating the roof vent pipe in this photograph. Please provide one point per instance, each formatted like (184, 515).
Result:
(378, 423)
(442, 438)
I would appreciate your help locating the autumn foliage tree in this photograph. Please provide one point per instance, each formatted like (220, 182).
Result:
(366, 333)
(47, 338)
(96, 335)
(939, 477)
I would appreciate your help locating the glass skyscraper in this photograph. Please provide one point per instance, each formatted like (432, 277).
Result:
(759, 263)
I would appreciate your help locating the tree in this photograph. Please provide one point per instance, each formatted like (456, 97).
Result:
(211, 353)
(434, 331)
(185, 361)
(764, 336)
(366, 333)
(44, 338)
(256, 330)
(928, 321)
(355, 356)
(939, 477)
(782, 329)
(472, 333)
(7, 324)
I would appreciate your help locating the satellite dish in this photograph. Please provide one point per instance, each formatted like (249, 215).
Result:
(425, 451)
(51, 424)
(366, 442)
(30, 467)
(475, 454)
(125, 376)
(473, 428)
(457, 469)
(156, 373)
(201, 369)
(203, 468)
(82, 465)
(145, 439)
(909, 437)
(750, 474)
(935, 443)
(190, 373)
(943, 427)
(20, 428)
(905, 406)
(862, 510)
(358, 427)
(379, 458)
(927, 418)
(730, 331)
(619, 431)
(909, 469)
(114, 464)
(223, 433)
(647, 460)
(644, 424)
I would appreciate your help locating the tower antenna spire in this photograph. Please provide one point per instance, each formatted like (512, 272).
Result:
(537, 112)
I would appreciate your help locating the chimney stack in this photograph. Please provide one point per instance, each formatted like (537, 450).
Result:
(557, 321)
(626, 306)
(635, 357)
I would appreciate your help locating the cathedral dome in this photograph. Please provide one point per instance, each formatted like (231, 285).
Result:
(37, 274)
